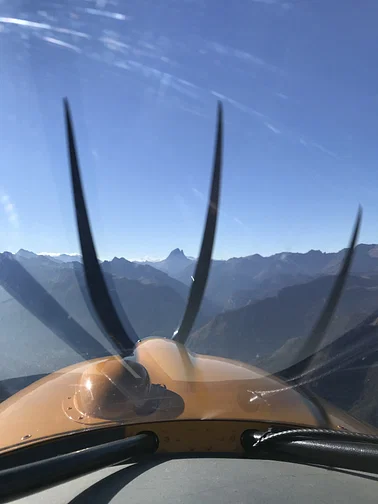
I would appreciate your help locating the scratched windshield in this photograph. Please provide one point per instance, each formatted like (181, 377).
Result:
(257, 117)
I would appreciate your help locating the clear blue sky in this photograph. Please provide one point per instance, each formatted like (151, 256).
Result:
(299, 82)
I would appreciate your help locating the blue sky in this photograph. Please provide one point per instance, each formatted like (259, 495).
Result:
(299, 83)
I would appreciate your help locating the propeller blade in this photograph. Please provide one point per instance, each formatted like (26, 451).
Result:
(97, 288)
(317, 335)
(203, 264)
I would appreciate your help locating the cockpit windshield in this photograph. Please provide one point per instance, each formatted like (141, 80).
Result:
(188, 214)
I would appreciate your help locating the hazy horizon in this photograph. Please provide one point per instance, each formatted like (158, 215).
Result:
(152, 258)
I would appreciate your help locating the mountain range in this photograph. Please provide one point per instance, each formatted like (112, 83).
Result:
(256, 309)
(38, 294)
(66, 258)
(262, 329)
(238, 281)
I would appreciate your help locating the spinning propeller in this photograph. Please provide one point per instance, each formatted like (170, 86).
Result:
(124, 336)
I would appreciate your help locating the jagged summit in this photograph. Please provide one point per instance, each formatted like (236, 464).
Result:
(176, 254)
(25, 253)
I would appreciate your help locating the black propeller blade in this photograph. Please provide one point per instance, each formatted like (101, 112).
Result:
(99, 294)
(298, 375)
(306, 354)
(203, 264)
